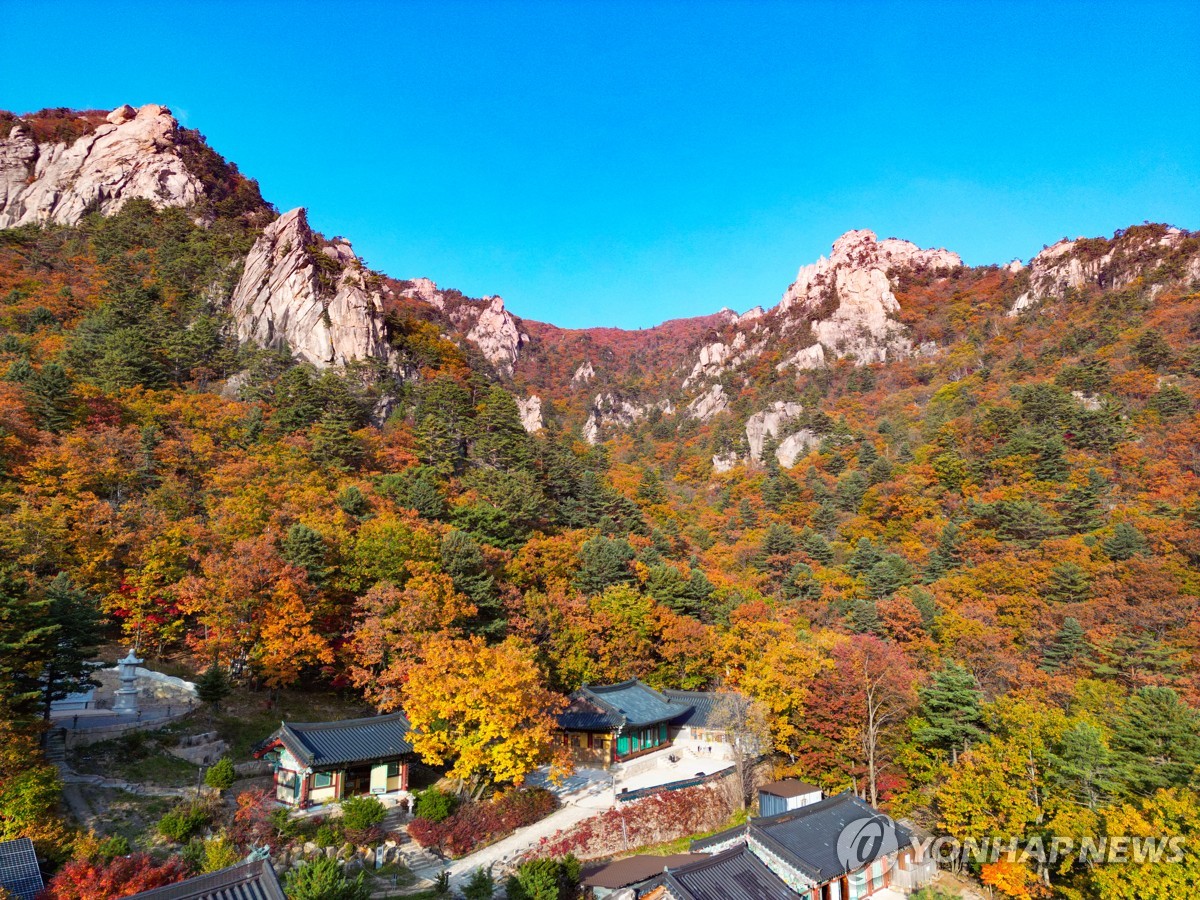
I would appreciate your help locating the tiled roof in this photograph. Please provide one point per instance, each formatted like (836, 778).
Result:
(702, 705)
(325, 744)
(636, 869)
(19, 872)
(628, 704)
(789, 787)
(252, 880)
(735, 874)
(807, 838)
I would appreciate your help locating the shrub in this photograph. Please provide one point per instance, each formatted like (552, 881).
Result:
(654, 820)
(222, 775)
(481, 885)
(360, 813)
(545, 879)
(324, 879)
(219, 853)
(435, 805)
(361, 817)
(83, 879)
(329, 834)
(285, 826)
(474, 824)
(180, 823)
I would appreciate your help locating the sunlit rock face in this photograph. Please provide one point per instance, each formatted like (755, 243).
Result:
(530, 409)
(1104, 263)
(322, 310)
(849, 301)
(134, 155)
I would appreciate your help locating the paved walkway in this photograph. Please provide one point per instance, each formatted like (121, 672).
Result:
(591, 801)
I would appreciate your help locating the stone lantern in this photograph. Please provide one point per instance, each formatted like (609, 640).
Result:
(126, 700)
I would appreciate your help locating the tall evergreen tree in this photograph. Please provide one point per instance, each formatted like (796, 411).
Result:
(604, 561)
(946, 555)
(1069, 644)
(51, 398)
(70, 645)
(1084, 766)
(951, 705)
(1068, 583)
(305, 548)
(1081, 504)
(26, 631)
(1156, 740)
(1125, 542)
(463, 561)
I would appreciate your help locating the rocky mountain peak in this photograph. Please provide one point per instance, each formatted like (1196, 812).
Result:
(134, 154)
(496, 334)
(1108, 264)
(848, 298)
(309, 296)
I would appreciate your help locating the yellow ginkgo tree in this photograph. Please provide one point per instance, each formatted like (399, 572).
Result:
(483, 709)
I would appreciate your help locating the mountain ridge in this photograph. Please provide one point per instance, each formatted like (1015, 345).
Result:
(316, 298)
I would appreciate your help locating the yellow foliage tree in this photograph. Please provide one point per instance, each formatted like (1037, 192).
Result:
(484, 710)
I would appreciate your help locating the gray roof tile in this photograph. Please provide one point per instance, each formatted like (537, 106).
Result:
(629, 704)
(251, 880)
(326, 744)
(735, 874)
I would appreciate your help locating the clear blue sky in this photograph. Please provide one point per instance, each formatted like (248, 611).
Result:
(621, 163)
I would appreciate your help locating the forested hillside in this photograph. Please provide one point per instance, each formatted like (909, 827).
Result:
(974, 596)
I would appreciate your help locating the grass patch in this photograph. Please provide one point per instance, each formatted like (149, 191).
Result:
(139, 756)
(131, 816)
(247, 717)
(683, 844)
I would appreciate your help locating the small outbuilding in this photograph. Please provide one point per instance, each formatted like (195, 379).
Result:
(788, 794)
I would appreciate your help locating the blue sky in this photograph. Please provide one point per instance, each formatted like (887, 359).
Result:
(617, 163)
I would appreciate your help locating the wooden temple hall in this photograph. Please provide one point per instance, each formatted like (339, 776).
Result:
(606, 724)
(323, 762)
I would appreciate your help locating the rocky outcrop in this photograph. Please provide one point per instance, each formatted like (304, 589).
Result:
(769, 423)
(610, 410)
(1106, 264)
(708, 404)
(796, 445)
(583, 375)
(497, 336)
(485, 323)
(135, 154)
(311, 299)
(530, 410)
(805, 358)
(723, 462)
(717, 357)
(848, 297)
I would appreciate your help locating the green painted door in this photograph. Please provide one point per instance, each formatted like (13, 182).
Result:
(623, 745)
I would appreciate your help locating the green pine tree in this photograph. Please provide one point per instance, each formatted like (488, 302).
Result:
(951, 707)
(1069, 645)
(213, 686)
(1125, 542)
(1156, 741)
(305, 548)
(1082, 504)
(815, 547)
(1068, 583)
(51, 398)
(604, 561)
(70, 648)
